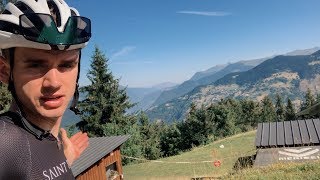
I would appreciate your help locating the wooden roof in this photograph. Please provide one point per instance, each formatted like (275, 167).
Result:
(311, 111)
(98, 148)
(288, 133)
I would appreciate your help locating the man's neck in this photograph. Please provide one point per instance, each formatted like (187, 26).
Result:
(47, 124)
(56, 127)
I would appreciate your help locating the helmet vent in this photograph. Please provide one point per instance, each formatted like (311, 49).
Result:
(6, 12)
(23, 7)
(54, 12)
(73, 13)
(9, 27)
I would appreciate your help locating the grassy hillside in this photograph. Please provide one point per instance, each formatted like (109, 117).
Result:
(191, 164)
(280, 171)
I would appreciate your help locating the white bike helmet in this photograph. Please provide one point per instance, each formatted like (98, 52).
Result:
(43, 24)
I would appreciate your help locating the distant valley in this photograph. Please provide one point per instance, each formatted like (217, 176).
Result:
(290, 74)
(145, 97)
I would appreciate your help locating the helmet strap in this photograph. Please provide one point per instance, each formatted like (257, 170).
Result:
(11, 60)
(75, 99)
(11, 87)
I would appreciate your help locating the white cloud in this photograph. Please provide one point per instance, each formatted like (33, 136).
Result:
(205, 13)
(123, 51)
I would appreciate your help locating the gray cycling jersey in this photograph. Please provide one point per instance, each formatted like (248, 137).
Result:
(28, 152)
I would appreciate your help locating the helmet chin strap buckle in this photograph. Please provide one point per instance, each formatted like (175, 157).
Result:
(73, 106)
(75, 110)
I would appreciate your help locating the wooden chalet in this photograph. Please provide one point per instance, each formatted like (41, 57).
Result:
(101, 160)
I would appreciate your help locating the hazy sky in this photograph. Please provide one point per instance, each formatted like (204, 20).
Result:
(153, 41)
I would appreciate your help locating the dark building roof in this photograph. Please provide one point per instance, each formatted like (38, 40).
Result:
(311, 111)
(288, 133)
(98, 148)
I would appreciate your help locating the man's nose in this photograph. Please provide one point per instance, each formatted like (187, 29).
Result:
(51, 79)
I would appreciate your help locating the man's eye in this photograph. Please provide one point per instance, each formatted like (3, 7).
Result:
(67, 65)
(34, 65)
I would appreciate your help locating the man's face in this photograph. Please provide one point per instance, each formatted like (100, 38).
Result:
(45, 81)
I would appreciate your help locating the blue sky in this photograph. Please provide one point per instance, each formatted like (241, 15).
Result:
(153, 41)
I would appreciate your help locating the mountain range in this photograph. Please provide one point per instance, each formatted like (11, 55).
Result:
(168, 101)
(208, 77)
(212, 74)
(289, 75)
(143, 98)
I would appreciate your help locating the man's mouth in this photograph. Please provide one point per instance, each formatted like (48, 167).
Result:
(52, 102)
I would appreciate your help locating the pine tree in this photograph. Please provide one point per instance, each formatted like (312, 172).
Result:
(5, 98)
(104, 105)
(3, 4)
(268, 112)
(249, 114)
(104, 101)
(170, 140)
(290, 111)
(309, 100)
(150, 135)
(190, 130)
(280, 111)
(223, 120)
(318, 98)
(234, 110)
(5, 95)
(196, 129)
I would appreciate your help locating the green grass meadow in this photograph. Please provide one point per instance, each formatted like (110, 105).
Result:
(193, 164)
(190, 164)
(302, 171)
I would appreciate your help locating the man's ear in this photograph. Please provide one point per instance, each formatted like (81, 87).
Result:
(4, 70)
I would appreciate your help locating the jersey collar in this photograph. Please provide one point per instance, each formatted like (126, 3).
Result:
(33, 129)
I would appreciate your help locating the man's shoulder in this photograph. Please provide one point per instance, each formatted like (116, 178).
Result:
(7, 125)
(14, 151)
